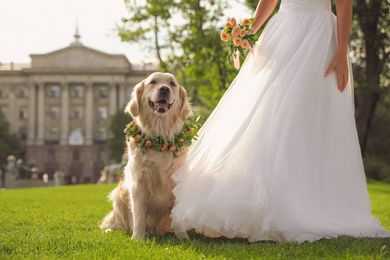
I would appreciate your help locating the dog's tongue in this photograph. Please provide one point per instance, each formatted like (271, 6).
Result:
(161, 104)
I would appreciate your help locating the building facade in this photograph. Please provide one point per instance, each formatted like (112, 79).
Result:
(60, 107)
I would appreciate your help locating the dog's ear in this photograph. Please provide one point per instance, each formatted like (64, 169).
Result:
(185, 110)
(135, 101)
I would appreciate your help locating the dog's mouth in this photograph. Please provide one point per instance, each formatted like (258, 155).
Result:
(161, 106)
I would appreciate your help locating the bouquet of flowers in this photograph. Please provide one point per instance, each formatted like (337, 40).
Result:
(239, 38)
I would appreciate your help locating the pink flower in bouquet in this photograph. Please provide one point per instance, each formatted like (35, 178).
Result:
(233, 21)
(224, 36)
(229, 25)
(237, 41)
(236, 31)
(177, 154)
(133, 123)
(246, 22)
(239, 38)
(245, 44)
(172, 149)
(125, 131)
(243, 33)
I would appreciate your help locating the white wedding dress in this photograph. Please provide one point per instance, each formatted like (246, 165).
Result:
(279, 159)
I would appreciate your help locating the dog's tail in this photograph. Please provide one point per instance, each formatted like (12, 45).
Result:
(120, 217)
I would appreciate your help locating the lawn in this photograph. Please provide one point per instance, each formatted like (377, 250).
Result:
(62, 223)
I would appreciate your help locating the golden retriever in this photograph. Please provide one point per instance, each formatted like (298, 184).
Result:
(142, 202)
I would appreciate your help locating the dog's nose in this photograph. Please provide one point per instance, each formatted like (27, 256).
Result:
(164, 90)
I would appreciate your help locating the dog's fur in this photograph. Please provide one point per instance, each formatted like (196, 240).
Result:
(142, 202)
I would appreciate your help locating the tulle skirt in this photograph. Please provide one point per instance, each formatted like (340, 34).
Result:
(279, 158)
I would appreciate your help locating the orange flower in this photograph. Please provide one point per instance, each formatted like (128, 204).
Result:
(224, 36)
(191, 130)
(233, 21)
(133, 123)
(229, 25)
(172, 149)
(246, 21)
(165, 145)
(148, 144)
(245, 44)
(137, 138)
(237, 41)
(243, 32)
(236, 31)
(163, 149)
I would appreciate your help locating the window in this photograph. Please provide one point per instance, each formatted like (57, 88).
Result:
(78, 113)
(78, 91)
(3, 112)
(102, 134)
(22, 92)
(3, 94)
(51, 155)
(100, 155)
(103, 91)
(23, 133)
(103, 113)
(23, 113)
(76, 155)
(54, 113)
(54, 134)
(55, 91)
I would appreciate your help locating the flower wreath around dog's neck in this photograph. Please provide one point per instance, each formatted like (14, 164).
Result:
(163, 144)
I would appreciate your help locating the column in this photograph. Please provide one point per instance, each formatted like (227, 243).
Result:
(64, 132)
(122, 96)
(89, 114)
(41, 114)
(31, 114)
(113, 103)
(13, 109)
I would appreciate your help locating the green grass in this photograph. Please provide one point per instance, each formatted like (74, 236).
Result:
(62, 222)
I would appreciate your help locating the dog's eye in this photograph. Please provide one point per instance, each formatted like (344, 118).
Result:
(153, 82)
(173, 84)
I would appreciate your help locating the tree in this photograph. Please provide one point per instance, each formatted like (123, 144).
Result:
(117, 140)
(370, 45)
(9, 145)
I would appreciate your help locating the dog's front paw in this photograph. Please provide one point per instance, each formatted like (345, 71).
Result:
(138, 236)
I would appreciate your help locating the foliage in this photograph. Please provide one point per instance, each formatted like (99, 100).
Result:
(117, 139)
(62, 223)
(9, 144)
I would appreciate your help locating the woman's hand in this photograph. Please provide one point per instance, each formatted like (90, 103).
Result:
(340, 65)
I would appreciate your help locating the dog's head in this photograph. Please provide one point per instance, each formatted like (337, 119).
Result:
(159, 97)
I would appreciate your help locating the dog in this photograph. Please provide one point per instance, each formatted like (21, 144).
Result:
(143, 200)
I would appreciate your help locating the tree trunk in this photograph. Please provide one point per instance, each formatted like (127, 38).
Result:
(368, 93)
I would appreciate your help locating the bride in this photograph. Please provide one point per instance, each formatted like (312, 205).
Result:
(279, 159)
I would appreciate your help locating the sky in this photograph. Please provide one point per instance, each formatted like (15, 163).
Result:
(42, 26)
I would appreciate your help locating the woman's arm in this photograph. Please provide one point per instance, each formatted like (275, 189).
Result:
(263, 11)
(340, 61)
